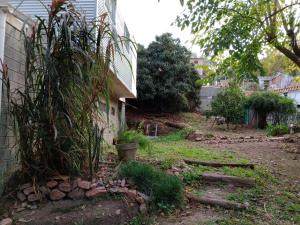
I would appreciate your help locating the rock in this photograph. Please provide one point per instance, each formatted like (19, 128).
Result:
(61, 178)
(56, 195)
(145, 197)
(118, 212)
(20, 209)
(21, 196)
(132, 193)
(140, 200)
(6, 221)
(123, 182)
(86, 185)
(94, 185)
(33, 197)
(143, 208)
(75, 184)
(52, 184)
(123, 190)
(31, 207)
(76, 194)
(114, 190)
(65, 187)
(24, 186)
(45, 190)
(28, 191)
(96, 192)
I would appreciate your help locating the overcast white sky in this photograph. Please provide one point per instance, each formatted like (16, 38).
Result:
(149, 18)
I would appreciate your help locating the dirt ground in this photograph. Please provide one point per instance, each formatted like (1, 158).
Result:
(275, 155)
(81, 212)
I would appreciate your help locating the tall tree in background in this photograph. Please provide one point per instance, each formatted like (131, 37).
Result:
(236, 31)
(166, 79)
(275, 62)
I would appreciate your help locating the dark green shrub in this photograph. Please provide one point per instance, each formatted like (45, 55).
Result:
(164, 190)
(275, 130)
(265, 103)
(230, 104)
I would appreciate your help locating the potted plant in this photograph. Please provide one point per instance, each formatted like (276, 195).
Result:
(128, 143)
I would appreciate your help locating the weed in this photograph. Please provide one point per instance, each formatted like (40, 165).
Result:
(166, 208)
(275, 130)
(176, 136)
(162, 188)
(141, 220)
(167, 164)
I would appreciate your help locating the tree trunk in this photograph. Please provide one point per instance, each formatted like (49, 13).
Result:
(262, 120)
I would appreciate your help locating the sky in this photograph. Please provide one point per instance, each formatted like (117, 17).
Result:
(149, 18)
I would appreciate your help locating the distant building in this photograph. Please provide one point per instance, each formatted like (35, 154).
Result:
(278, 81)
(200, 63)
(207, 94)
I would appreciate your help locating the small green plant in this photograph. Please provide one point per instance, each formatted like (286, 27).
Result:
(164, 190)
(136, 137)
(167, 164)
(176, 136)
(275, 130)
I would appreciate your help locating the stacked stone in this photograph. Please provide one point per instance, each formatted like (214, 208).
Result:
(58, 188)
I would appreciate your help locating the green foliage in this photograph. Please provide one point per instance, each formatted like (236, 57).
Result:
(176, 136)
(278, 129)
(230, 104)
(236, 32)
(165, 191)
(265, 103)
(166, 81)
(136, 137)
(67, 73)
(275, 62)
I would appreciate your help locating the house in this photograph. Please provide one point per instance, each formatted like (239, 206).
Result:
(17, 15)
(292, 91)
(207, 95)
(200, 63)
(278, 81)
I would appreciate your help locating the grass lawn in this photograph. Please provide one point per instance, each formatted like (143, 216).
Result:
(268, 203)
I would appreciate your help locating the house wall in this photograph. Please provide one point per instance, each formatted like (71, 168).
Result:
(207, 94)
(34, 7)
(14, 57)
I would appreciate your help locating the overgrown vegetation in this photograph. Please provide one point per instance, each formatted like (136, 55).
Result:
(230, 104)
(270, 103)
(166, 80)
(133, 136)
(166, 192)
(67, 74)
(278, 129)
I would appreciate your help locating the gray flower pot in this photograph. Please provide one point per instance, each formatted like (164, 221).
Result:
(127, 152)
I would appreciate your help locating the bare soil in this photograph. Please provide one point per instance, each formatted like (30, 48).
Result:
(69, 212)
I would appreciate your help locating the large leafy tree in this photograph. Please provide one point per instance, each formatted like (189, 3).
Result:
(236, 31)
(166, 79)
